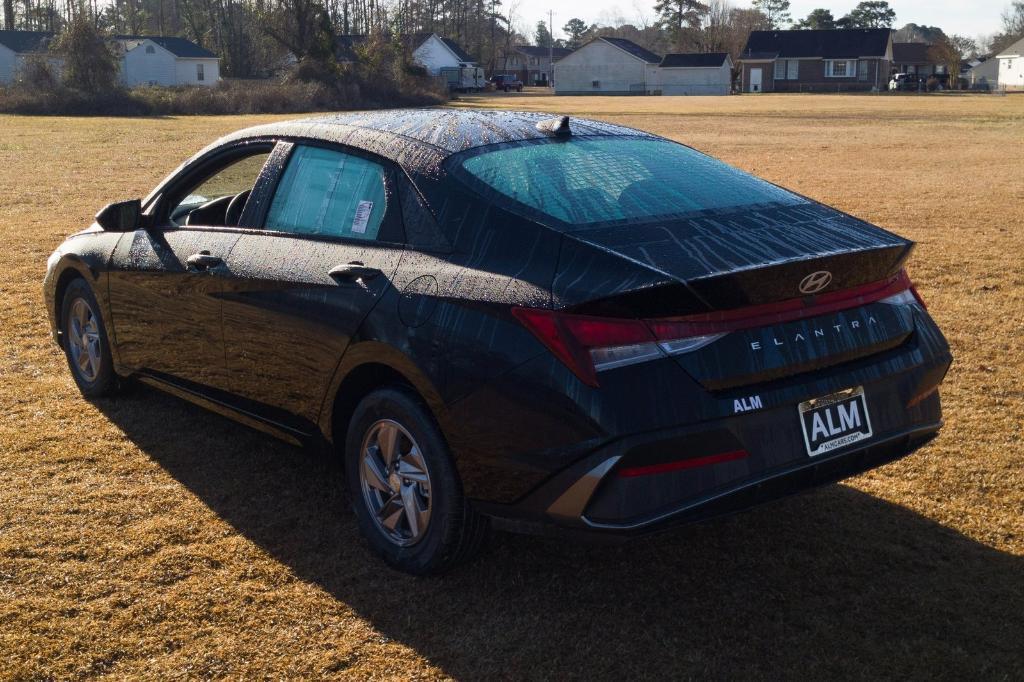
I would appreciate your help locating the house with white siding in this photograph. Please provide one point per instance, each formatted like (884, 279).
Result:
(1011, 67)
(16, 47)
(696, 73)
(606, 66)
(616, 66)
(144, 60)
(163, 60)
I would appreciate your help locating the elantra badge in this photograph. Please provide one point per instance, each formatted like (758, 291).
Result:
(815, 282)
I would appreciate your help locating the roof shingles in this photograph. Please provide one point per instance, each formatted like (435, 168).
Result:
(629, 46)
(825, 44)
(36, 41)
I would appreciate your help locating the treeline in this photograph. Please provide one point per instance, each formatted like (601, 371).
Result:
(254, 38)
(257, 38)
(80, 74)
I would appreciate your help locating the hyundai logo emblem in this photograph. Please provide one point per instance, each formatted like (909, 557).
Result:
(815, 282)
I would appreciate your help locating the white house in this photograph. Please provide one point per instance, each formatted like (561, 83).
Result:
(16, 47)
(1011, 66)
(144, 60)
(708, 73)
(606, 66)
(435, 53)
(161, 60)
(429, 50)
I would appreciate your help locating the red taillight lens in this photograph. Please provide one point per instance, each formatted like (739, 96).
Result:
(692, 463)
(571, 337)
(587, 344)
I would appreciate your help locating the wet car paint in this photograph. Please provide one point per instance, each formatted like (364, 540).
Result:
(270, 335)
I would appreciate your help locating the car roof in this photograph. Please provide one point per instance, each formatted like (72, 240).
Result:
(420, 139)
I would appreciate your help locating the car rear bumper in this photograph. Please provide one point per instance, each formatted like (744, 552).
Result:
(526, 518)
(593, 496)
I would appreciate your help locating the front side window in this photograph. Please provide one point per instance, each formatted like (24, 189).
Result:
(792, 69)
(780, 69)
(329, 193)
(200, 72)
(588, 180)
(209, 201)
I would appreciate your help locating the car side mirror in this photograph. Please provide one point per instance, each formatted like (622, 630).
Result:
(124, 216)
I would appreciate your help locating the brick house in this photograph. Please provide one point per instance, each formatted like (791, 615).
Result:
(838, 60)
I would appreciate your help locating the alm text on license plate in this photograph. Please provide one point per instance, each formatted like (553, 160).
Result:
(835, 421)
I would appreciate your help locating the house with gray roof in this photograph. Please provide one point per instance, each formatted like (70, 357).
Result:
(616, 66)
(144, 60)
(606, 66)
(1011, 66)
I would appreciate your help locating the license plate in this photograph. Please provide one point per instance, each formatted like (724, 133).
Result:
(835, 421)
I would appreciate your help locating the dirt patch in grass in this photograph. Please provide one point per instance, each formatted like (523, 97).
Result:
(144, 537)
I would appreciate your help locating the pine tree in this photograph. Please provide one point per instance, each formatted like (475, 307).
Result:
(777, 11)
(677, 16)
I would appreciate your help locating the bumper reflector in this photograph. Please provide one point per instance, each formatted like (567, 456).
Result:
(692, 463)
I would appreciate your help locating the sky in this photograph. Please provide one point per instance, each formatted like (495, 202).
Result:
(966, 17)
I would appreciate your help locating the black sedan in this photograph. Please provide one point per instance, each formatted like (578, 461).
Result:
(509, 320)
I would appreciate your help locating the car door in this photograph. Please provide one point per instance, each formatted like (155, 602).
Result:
(330, 245)
(166, 280)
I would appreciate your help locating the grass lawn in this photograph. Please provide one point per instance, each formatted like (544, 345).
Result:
(144, 537)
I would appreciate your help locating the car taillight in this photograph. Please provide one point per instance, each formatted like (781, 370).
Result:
(588, 345)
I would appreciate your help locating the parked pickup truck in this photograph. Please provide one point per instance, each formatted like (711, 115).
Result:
(506, 82)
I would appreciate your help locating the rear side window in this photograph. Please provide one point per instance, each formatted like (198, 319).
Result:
(326, 192)
(584, 181)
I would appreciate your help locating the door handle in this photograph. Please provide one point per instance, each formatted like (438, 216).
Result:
(203, 261)
(351, 272)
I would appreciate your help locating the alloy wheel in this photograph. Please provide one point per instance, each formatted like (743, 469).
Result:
(84, 340)
(395, 482)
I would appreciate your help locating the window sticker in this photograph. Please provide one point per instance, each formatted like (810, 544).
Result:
(362, 217)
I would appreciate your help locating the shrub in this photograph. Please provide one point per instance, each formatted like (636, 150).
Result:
(36, 72)
(90, 64)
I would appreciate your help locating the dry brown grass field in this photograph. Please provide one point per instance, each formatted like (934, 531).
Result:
(146, 538)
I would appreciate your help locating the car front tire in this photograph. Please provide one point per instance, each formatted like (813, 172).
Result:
(405, 491)
(85, 342)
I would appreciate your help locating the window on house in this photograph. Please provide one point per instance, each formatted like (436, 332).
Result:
(862, 70)
(200, 72)
(786, 69)
(150, 49)
(840, 68)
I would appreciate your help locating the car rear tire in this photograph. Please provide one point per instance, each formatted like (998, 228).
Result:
(405, 491)
(85, 343)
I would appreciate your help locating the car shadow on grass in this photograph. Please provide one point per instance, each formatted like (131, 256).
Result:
(834, 582)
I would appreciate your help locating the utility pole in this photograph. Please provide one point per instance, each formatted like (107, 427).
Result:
(551, 49)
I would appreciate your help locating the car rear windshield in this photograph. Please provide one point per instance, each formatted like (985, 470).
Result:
(588, 180)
